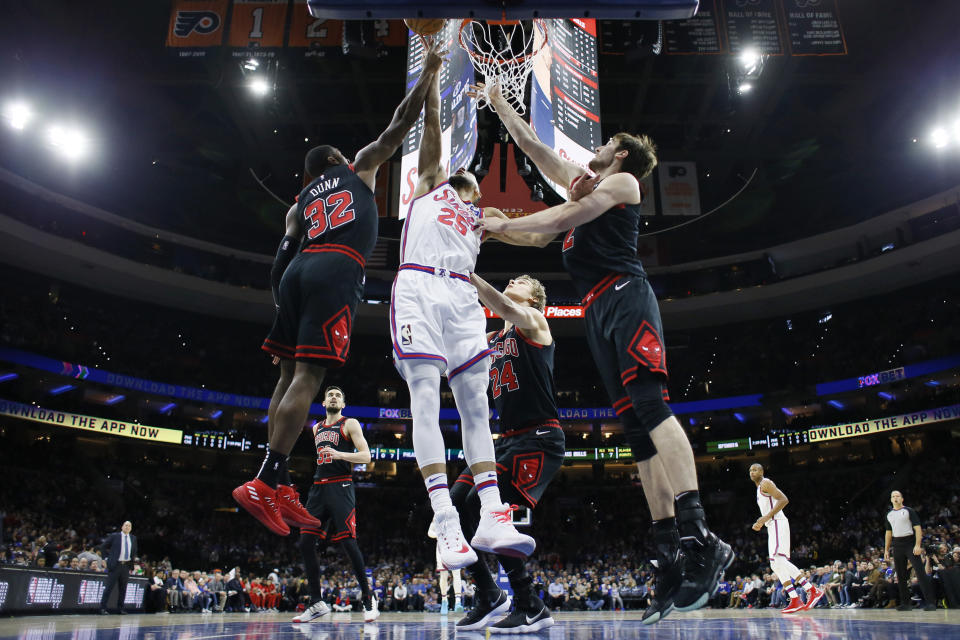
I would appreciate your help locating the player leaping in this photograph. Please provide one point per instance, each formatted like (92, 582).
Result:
(437, 326)
(336, 217)
(771, 501)
(625, 336)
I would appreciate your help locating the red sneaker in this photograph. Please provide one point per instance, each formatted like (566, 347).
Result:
(796, 604)
(813, 597)
(292, 512)
(260, 501)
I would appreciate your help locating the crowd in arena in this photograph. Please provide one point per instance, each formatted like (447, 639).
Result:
(193, 550)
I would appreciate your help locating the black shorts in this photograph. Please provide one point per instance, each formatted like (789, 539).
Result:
(526, 463)
(333, 503)
(626, 336)
(319, 293)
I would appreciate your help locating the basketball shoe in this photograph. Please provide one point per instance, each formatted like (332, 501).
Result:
(814, 597)
(455, 553)
(260, 501)
(669, 575)
(314, 611)
(371, 610)
(526, 619)
(484, 611)
(291, 511)
(703, 565)
(796, 604)
(496, 534)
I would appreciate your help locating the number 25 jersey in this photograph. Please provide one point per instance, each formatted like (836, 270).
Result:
(339, 209)
(439, 231)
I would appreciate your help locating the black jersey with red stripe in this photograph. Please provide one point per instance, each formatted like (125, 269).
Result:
(521, 380)
(332, 435)
(338, 208)
(606, 244)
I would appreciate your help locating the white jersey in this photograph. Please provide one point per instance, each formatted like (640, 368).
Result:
(766, 502)
(439, 231)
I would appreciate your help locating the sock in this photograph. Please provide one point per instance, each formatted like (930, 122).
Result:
(356, 559)
(487, 489)
(486, 585)
(285, 473)
(805, 584)
(791, 592)
(270, 471)
(691, 520)
(438, 491)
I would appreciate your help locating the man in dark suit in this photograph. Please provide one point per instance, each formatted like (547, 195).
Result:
(120, 548)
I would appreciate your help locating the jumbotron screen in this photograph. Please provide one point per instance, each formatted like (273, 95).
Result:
(564, 92)
(458, 114)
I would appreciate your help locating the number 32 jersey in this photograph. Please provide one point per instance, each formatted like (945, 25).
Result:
(339, 209)
(521, 380)
(439, 231)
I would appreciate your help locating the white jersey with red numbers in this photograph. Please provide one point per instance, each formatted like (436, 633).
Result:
(434, 311)
(439, 231)
(766, 502)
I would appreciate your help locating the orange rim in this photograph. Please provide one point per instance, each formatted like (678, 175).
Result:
(538, 22)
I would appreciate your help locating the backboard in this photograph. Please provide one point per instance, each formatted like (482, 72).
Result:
(504, 9)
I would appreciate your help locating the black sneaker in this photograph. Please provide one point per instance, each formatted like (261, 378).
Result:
(669, 578)
(528, 621)
(483, 612)
(702, 568)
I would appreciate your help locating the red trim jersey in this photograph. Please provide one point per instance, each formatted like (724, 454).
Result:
(607, 244)
(332, 435)
(521, 380)
(338, 210)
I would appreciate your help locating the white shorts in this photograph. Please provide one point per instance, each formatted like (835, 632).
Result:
(778, 538)
(438, 318)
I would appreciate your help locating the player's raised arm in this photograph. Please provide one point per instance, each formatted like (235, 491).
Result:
(547, 160)
(379, 151)
(620, 188)
(526, 318)
(520, 238)
(430, 173)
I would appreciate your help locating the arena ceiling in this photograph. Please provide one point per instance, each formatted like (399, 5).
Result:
(831, 138)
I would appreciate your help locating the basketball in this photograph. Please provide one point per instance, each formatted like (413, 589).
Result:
(425, 26)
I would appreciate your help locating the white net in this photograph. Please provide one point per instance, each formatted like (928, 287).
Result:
(503, 53)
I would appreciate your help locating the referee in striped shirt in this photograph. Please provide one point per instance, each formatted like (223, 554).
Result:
(903, 530)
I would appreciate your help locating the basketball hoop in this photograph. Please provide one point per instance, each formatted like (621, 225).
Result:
(503, 52)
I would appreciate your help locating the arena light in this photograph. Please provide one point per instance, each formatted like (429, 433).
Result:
(18, 114)
(886, 396)
(70, 142)
(740, 417)
(749, 58)
(745, 87)
(167, 407)
(939, 137)
(216, 414)
(265, 419)
(836, 404)
(7, 377)
(61, 389)
(116, 399)
(259, 86)
(252, 64)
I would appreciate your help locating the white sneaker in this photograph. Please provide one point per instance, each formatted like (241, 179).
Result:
(455, 553)
(316, 610)
(496, 534)
(371, 614)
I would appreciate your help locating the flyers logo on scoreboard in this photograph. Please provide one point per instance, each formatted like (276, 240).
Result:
(197, 23)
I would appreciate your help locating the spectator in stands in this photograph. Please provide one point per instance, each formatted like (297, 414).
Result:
(174, 585)
(557, 593)
(400, 596)
(218, 590)
(155, 598)
(616, 602)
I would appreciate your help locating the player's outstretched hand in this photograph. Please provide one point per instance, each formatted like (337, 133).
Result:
(492, 225)
(436, 56)
(583, 186)
(492, 94)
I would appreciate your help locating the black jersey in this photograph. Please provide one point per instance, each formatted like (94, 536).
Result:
(332, 435)
(521, 380)
(339, 209)
(607, 244)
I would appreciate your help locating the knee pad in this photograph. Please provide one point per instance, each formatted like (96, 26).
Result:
(646, 395)
(641, 444)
